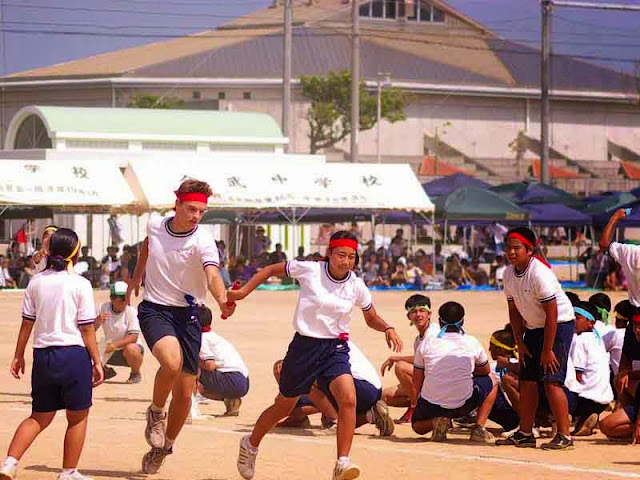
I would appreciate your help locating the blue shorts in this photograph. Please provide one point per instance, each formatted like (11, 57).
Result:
(534, 340)
(158, 321)
(304, 401)
(61, 379)
(226, 385)
(425, 410)
(119, 360)
(503, 413)
(309, 359)
(366, 394)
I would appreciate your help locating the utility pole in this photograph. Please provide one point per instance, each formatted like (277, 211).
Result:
(286, 73)
(355, 78)
(545, 76)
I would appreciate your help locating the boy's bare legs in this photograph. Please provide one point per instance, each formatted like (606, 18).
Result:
(74, 438)
(27, 432)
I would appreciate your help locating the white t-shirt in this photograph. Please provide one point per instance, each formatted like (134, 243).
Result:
(533, 287)
(4, 276)
(58, 302)
(42, 264)
(119, 325)
(590, 357)
(432, 331)
(176, 263)
(361, 368)
(324, 303)
(448, 364)
(500, 273)
(223, 353)
(613, 339)
(628, 256)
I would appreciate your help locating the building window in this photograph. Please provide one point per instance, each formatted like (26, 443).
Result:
(246, 95)
(195, 95)
(415, 10)
(222, 96)
(437, 15)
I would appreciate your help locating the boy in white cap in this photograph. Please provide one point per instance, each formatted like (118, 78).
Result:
(121, 345)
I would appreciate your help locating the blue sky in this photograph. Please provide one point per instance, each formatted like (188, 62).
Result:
(43, 32)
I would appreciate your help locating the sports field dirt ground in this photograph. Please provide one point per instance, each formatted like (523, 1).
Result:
(261, 330)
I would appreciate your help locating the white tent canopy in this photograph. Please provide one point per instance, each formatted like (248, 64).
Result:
(331, 185)
(63, 183)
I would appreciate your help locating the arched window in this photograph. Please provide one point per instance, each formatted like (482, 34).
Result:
(32, 134)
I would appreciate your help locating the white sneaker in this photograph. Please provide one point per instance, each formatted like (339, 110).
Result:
(440, 429)
(154, 459)
(201, 399)
(345, 470)
(8, 472)
(247, 459)
(156, 427)
(75, 475)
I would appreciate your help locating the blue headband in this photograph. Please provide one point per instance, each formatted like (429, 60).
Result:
(584, 313)
(458, 325)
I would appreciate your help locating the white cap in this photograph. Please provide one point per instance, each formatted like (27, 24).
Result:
(119, 288)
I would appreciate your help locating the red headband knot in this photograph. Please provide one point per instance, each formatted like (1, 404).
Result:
(344, 242)
(636, 318)
(192, 196)
(517, 236)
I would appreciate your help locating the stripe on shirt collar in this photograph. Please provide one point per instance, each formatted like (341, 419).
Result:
(335, 280)
(521, 274)
(177, 234)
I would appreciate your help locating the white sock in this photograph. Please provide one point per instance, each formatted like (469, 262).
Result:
(168, 443)
(156, 409)
(343, 459)
(250, 445)
(10, 462)
(526, 434)
(69, 471)
(369, 416)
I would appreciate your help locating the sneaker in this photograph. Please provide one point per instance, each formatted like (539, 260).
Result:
(406, 416)
(468, 421)
(134, 378)
(381, 418)
(8, 472)
(559, 442)
(109, 372)
(327, 423)
(481, 434)
(201, 399)
(345, 470)
(154, 458)
(233, 407)
(585, 425)
(518, 439)
(155, 429)
(75, 475)
(440, 428)
(246, 459)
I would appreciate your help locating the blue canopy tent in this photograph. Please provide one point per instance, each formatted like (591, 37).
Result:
(555, 214)
(530, 191)
(445, 185)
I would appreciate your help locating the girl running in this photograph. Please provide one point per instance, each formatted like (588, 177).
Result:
(58, 306)
(319, 350)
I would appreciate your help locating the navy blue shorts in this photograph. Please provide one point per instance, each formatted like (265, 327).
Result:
(366, 394)
(582, 407)
(534, 341)
(119, 360)
(309, 359)
(304, 401)
(226, 385)
(158, 321)
(425, 410)
(503, 413)
(61, 379)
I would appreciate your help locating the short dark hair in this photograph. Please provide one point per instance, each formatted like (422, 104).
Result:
(194, 186)
(525, 232)
(505, 336)
(62, 244)
(344, 234)
(451, 312)
(204, 316)
(415, 300)
(602, 301)
(589, 307)
(624, 310)
(573, 297)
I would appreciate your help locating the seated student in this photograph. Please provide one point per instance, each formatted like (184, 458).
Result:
(612, 335)
(590, 394)
(453, 378)
(122, 343)
(224, 375)
(505, 366)
(418, 309)
(370, 409)
(622, 423)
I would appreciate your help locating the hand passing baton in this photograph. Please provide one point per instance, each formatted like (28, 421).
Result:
(236, 286)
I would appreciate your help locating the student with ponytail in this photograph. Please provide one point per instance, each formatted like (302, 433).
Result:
(59, 309)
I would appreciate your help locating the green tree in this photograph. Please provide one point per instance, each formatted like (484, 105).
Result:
(154, 101)
(329, 115)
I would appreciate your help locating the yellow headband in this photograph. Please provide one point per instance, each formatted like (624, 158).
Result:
(69, 259)
(50, 229)
(498, 343)
(621, 317)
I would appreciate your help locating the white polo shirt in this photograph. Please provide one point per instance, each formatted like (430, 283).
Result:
(361, 367)
(118, 325)
(628, 256)
(448, 364)
(531, 288)
(613, 339)
(432, 331)
(58, 302)
(223, 353)
(324, 303)
(176, 263)
(589, 356)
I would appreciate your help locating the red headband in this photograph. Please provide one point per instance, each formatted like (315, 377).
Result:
(344, 242)
(517, 236)
(635, 318)
(192, 197)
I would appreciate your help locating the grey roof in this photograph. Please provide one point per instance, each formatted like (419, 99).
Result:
(315, 52)
(567, 73)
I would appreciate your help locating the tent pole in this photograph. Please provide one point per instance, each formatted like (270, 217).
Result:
(433, 241)
(373, 229)
(294, 236)
(570, 255)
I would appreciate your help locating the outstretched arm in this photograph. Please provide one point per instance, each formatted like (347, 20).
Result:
(216, 287)
(607, 234)
(275, 270)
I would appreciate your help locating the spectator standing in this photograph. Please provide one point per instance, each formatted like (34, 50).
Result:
(277, 256)
(260, 243)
